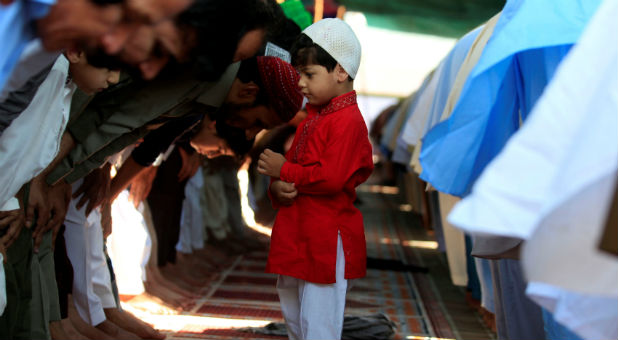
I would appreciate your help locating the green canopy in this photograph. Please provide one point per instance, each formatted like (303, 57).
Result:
(449, 18)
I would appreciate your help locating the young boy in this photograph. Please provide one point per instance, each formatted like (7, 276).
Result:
(318, 241)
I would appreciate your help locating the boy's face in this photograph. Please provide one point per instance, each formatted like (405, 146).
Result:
(317, 84)
(208, 143)
(88, 78)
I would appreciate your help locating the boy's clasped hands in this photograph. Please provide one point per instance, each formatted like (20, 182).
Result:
(270, 164)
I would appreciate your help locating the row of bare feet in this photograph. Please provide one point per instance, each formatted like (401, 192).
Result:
(172, 288)
(179, 285)
(119, 324)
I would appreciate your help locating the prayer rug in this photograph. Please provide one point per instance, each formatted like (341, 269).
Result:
(244, 296)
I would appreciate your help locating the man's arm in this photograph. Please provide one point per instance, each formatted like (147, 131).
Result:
(39, 189)
(127, 172)
(117, 117)
(155, 143)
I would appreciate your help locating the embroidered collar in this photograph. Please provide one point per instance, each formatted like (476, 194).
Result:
(338, 103)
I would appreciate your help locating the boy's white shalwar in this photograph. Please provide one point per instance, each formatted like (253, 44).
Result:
(302, 308)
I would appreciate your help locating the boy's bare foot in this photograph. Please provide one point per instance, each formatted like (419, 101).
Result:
(132, 324)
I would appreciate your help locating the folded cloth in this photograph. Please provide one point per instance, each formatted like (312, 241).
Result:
(375, 326)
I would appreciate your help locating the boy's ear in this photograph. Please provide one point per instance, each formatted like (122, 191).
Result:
(74, 55)
(341, 74)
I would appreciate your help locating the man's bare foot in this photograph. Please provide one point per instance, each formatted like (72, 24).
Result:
(83, 327)
(70, 330)
(56, 331)
(210, 264)
(155, 278)
(172, 273)
(212, 252)
(201, 273)
(114, 331)
(187, 264)
(146, 302)
(132, 324)
(169, 297)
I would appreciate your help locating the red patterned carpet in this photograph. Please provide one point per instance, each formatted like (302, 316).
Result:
(245, 296)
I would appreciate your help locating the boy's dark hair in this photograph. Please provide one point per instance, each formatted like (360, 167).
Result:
(220, 24)
(305, 52)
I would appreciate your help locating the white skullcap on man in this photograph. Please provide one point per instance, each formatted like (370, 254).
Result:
(337, 38)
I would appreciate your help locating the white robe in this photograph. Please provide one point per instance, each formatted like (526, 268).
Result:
(31, 142)
(553, 183)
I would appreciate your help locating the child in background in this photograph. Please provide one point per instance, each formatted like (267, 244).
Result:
(318, 240)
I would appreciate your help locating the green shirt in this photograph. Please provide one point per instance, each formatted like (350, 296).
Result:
(125, 113)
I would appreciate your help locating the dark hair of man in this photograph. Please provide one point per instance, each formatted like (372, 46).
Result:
(284, 37)
(305, 52)
(269, 16)
(235, 138)
(107, 2)
(248, 72)
(219, 25)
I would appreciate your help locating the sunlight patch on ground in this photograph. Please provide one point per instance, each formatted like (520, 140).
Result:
(405, 207)
(420, 244)
(175, 322)
(416, 337)
(380, 189)
(386, 240)
(147, 307)
(247, 212)
(261, 229)
(411, 243)
(198, 324)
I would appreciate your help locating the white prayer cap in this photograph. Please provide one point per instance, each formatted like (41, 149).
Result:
(337, 38)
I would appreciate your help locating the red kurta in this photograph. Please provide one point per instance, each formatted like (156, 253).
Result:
(330, 156)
